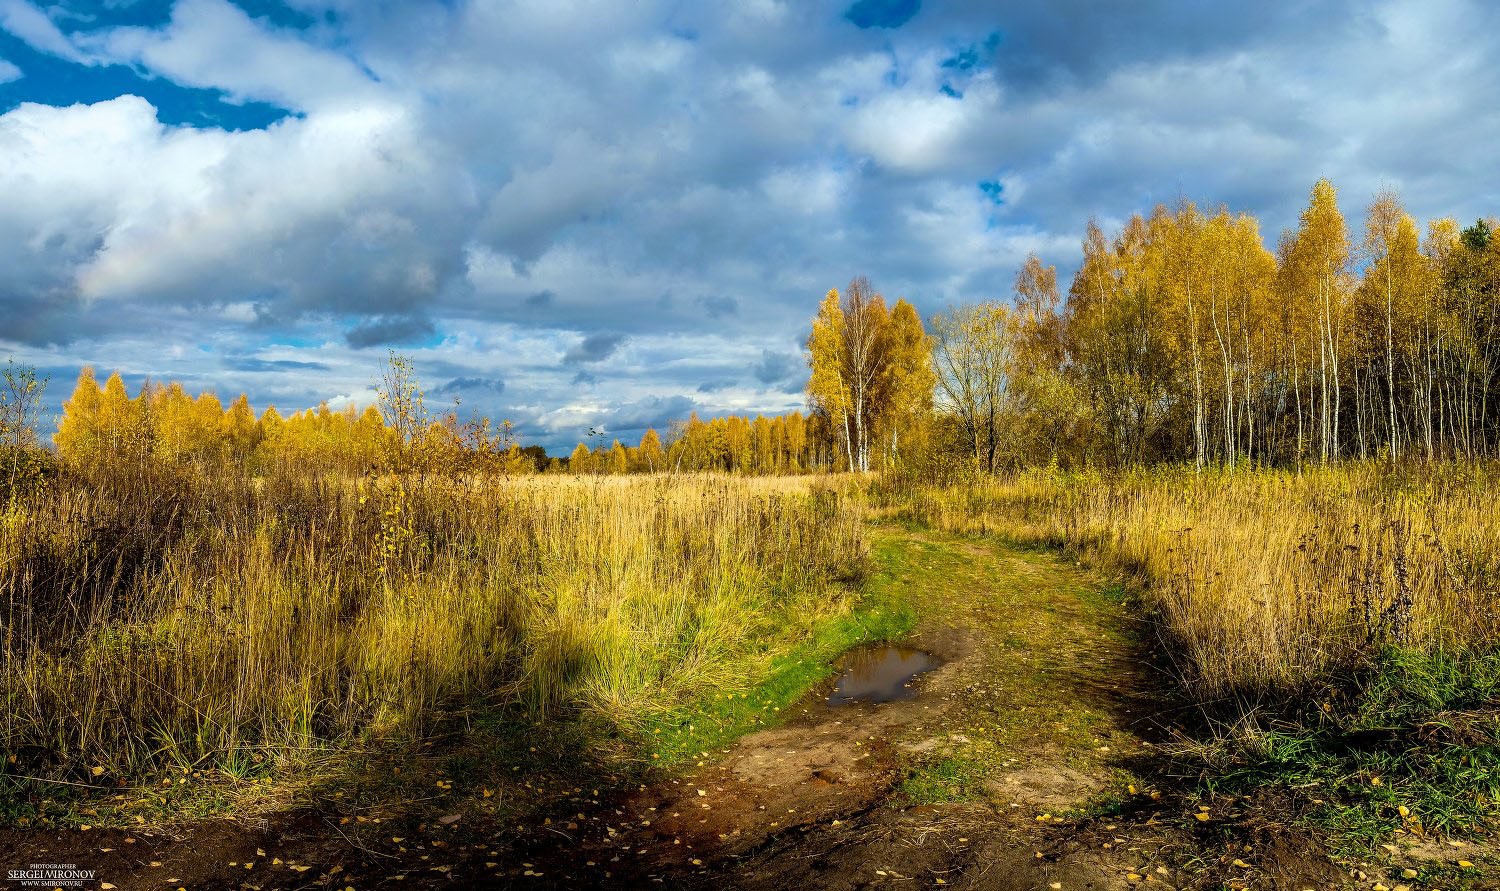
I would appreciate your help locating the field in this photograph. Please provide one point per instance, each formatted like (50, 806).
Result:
(1208, 660)
(232, 624)
(1334, 629)
(1266, 581)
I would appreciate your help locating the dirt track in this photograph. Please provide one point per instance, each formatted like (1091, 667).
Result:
(1025, 762)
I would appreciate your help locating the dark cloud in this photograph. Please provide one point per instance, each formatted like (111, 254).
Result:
(778, 368)
(1039, 45)
(715, 386)
(719, 307)
(389, 330)
(251, 363)
(461, 385)
(593, 348)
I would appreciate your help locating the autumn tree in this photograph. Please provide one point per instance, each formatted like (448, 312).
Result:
(974, 353)
(582, 460)
(907, 386)
(1314, 272)
(1051, 408)
(402, 403)
(77, 434)
(1122, 352)
(861, 364)
(649, 452)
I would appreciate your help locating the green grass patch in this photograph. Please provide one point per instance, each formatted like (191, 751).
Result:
(1416, 746)
(944, 780)
(883, 612)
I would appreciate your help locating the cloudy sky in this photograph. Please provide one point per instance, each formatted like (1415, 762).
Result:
(576, 213)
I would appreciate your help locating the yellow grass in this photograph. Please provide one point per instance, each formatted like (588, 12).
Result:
(1268, 579)
(178, 617)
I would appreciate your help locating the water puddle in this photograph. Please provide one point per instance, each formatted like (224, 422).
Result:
(880, 674)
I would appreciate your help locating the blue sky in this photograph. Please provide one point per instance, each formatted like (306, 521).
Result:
(585, 214)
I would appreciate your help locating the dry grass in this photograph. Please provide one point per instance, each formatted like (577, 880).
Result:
(164, 617)
(1267, 580)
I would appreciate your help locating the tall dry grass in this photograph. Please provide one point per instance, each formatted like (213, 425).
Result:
(167, 616)
(1266, 580)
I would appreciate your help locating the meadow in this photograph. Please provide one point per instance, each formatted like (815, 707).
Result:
(1331, 629)
(1264, 581)
(167, 617)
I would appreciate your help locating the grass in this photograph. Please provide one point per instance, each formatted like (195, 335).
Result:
(1265, 580)
(179, 645)
(944, 780)
(1337, 628)
(882, 613)
(227, 631)
(1415, 748)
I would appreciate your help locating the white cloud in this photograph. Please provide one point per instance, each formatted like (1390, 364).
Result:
(32, 25)
(213, 43)
(915, 130)
(296, 213)
(9, 71)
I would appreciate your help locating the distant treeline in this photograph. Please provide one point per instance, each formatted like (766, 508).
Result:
(163, 423)
(789, 443)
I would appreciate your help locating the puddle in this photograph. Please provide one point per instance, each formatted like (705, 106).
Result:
(880, 674)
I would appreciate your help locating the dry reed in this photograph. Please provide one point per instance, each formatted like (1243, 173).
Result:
(1267, 579)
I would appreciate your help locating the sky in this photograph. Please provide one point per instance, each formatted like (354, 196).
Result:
(576, 214)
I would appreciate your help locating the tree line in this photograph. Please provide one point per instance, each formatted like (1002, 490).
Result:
(104, 426)
(779, 444)
(1183, 338)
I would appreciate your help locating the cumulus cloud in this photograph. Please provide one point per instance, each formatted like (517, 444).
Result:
(213, 43)
(37, 30)
(626, 212)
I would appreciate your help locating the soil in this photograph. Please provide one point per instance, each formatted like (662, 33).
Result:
(1028, 759)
